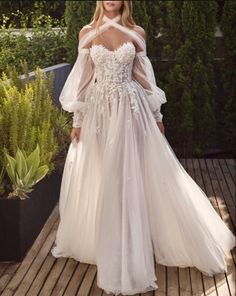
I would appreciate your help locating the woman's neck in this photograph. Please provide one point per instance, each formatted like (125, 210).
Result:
(110, 18)
(112, 14)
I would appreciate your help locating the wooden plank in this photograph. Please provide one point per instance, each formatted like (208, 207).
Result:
(3, 267)
(161, 272)
(8, 274)
(208, 282)
(224, 201)
(196, 282)
(228, 178)
(87, 281)
(41, 276)
(209, 285)
(53, 276)
(224, 188)
(198, 174)
(95, 290)
(183, 162)
(231, 164)
(221, 281)
(231, 276)
(233, 253)
(208, 185)
(76, 279)
(206, 179)
(195, 275)
(172, 281)
(31, 255)
(225, 282)
(190, 168)
(65, 277)
(221, 284)
(184, 282)
(35, 267)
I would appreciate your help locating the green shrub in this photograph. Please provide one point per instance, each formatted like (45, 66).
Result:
(190, 41)
(27, 117)
(228, 102)
(42, 46)
(28, 9)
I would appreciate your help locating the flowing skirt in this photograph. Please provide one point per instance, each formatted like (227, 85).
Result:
(126, 199)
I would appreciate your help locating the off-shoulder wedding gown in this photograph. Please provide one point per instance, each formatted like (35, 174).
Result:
(125, 198)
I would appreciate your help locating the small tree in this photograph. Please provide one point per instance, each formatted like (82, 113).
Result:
(190, 87)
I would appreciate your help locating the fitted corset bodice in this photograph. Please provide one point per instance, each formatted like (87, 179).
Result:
(113, 66)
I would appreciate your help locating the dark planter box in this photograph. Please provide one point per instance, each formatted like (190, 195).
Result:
(22, 220)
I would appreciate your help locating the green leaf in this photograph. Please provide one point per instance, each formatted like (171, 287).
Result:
(41, 172)
(34, 160)
(10, 174)
(24, 153)
(27, 180)
(21, 166)
(11, 167)
(18, 182)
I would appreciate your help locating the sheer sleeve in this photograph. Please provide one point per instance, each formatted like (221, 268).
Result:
(73, 95)
(144, 75)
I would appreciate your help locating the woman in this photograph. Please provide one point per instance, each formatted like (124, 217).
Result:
(125, 197)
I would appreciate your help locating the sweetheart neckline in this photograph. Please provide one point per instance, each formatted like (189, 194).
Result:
(113, 51)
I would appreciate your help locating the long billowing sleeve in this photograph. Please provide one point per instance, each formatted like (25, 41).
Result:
(73, 94)
(143, 74)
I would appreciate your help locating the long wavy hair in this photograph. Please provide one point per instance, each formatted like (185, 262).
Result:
(126, 14)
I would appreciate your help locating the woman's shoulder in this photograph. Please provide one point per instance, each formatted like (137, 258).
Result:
(140, 30)
(84, 30)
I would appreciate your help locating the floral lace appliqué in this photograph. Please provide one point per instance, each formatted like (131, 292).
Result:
(114, 75)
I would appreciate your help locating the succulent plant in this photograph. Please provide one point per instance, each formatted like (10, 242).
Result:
(24, 172)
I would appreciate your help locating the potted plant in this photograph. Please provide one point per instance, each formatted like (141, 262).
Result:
(29, 151)
(24, 210)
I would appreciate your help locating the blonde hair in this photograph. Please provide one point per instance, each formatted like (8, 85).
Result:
(126, 14)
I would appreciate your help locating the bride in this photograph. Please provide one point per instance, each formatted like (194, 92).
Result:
(126, 201)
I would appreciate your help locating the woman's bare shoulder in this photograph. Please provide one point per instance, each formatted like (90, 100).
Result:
(85, 29)
(140, 30)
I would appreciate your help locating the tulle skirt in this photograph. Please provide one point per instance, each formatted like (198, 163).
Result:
(126, 199)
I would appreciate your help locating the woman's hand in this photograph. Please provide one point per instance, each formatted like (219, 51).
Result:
(161, 127)
(75, 133)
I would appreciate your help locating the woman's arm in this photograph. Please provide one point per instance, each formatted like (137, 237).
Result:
(87, 74)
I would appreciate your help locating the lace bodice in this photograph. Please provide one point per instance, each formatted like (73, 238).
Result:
(113, 67)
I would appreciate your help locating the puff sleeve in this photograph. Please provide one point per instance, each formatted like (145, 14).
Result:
(144, 75)
(73, 94)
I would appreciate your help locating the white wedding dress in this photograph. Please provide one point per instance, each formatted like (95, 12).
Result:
(125, 198)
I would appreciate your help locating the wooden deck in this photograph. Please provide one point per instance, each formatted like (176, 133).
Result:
(41, 274)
